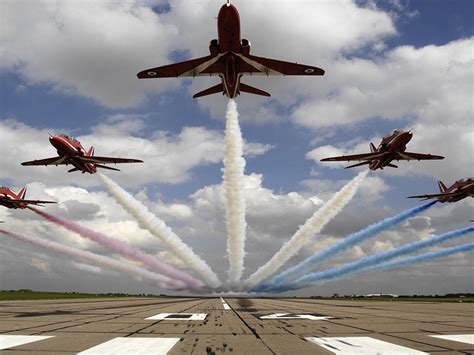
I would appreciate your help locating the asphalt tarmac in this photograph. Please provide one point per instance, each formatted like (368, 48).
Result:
(238, 326)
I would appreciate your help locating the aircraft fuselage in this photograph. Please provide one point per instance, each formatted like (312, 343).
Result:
(69, 149)
(7, 197)
(229, 42)
(389, 147)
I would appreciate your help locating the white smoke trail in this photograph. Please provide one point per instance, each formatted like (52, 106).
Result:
(162, 281)
(311, 227)
(159, 229)
(234, 165)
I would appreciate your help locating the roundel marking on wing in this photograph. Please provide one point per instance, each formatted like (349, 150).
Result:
(152, 73)
(309, 70)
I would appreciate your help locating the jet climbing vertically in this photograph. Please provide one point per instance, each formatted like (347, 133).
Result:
(230, 59)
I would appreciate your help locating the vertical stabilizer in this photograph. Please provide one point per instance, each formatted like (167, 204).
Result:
(442, 186)
(90, 153)
(22, 193)
(372, 148)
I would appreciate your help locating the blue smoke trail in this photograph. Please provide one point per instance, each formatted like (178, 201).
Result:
(348, 242)
(373, 260)
(422, 257)
(390, 265)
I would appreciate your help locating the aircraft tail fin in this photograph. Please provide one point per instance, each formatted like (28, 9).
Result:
(251, 90)
(219, 88)
(106, 167)
(22, 193)
(358, 164)
(372, 148)
(90, 152)
(442, 186)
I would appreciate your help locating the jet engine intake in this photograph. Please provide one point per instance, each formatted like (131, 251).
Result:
(214, 47)
(245, 46)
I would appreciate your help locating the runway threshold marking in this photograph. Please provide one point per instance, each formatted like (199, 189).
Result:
(178, 316)
(362, 346)
(136, 346)
(462, 338)
(10, 341)
(294, 316)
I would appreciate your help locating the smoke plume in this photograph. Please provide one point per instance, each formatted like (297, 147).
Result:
(348, 242)
(159, 229)
(160, 280)
(233, 184)
(122, 248)
(312, 226)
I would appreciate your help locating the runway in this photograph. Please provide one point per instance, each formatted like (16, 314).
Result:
(239, 326)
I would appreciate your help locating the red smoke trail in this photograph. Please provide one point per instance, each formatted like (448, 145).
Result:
(162, 281)
(124, 249)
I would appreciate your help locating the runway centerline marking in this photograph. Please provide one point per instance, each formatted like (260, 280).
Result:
(462, 338)
(225, 305)
(10, 341)
(362, 346)
(136, 346)
(178, 316)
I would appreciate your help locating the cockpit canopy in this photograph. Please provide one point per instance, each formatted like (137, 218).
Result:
(71, 138)
(394, 132)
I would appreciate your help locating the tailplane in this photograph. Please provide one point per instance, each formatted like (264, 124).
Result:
(251, 90)
(219, 88)
(442, 186)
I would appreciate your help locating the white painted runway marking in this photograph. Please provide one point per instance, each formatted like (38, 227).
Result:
(362, 346)
(226, 306)
(136, 346)
(462, 338)
(178, 316)
(10, 341)
(294, 316)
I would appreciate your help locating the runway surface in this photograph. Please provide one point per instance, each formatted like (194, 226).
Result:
(239, 326)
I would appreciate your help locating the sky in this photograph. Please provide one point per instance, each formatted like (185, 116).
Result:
(70, 67)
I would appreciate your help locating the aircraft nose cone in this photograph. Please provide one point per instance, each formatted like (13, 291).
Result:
(408, 136)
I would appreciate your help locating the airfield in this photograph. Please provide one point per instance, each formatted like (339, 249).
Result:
(232, 325)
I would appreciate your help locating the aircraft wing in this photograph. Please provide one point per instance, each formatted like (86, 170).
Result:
(355, 157)
(30, 202)
(108, 160)
(417, 156)
(47, 161)
(268, 66)
(193, 67)
(427, 197)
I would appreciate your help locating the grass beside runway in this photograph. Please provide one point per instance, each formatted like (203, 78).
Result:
(39, 295)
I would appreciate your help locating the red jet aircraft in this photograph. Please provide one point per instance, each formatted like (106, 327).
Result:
(230, 59)
(457, 191)
(9, 199)
(391, 148)
(70, 151)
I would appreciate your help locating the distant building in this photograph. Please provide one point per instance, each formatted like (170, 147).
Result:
(381, 295)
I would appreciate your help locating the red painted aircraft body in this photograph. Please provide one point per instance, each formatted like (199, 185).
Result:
(456, 192)
(230, 59)
(70, 151)
(9, 199)
(392, 147)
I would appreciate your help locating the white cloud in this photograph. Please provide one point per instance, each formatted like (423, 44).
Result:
(167, 158)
